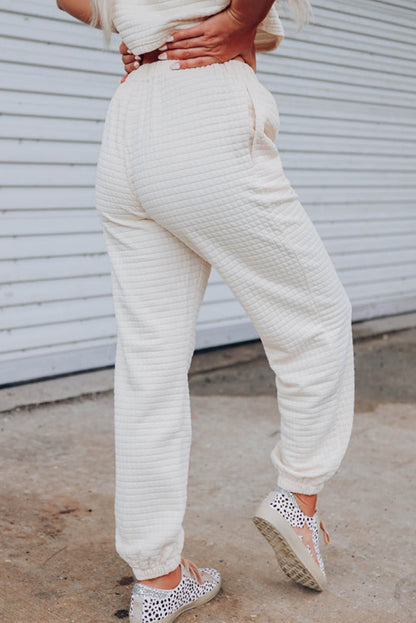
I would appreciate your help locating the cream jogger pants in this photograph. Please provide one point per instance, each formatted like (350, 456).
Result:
(189, 177)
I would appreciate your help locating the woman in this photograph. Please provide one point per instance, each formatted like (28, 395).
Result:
(189, 177)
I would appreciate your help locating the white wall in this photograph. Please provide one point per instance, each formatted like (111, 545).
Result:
(346, 92)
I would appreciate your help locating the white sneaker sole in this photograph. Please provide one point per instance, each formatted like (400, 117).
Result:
(194, 604)
(291, 554)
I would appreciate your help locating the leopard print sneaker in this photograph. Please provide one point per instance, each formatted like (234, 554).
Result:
(294, 538)
(156, 605)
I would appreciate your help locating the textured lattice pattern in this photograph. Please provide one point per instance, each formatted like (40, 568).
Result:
(189, 176)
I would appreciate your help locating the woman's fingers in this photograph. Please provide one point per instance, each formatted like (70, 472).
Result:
(182, 54)
(123, 48)
(131, 66)
(128, 58)
(131, 62)
(192, 42)
(186, 33)
(217, 39)
(196, 62)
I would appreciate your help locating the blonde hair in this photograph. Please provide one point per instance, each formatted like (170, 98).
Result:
(301, 11)
(102, 14)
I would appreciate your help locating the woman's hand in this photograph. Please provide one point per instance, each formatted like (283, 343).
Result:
(131, 62)
(218, 38)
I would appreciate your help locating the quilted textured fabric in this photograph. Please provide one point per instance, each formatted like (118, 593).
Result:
(144, 25)
(189, 177)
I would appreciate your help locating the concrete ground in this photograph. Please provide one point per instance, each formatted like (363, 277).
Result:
(58, 558)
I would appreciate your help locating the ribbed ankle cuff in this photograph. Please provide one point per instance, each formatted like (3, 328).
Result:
(308, 486)
(156, 570)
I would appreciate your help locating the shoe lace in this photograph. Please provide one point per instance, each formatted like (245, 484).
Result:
(193, 569)
(327, 538)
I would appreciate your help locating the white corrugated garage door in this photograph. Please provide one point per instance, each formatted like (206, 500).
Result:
(345, 88)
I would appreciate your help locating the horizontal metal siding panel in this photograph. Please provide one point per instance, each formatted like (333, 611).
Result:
(346, 92)
(25, 293)
(48, 222)
(36, 269)
(53, 245)
(57, 335)
(58, 81)
(47, 152)
(49, 362)
(25, 198)
(44, 129)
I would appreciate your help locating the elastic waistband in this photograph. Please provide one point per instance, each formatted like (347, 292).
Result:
(160, 67)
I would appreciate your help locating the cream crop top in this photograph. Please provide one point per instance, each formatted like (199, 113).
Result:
(144, 25)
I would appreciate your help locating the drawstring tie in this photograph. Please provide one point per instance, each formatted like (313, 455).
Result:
(327, 538)
(193, 569)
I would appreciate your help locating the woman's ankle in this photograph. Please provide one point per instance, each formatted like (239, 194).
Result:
(168, 581)
(306, 503)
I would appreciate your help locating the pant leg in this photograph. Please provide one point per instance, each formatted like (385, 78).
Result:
(158, 284)
(211, 174)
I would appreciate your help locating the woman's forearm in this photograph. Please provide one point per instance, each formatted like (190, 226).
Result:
(80, 9)
(250, 13)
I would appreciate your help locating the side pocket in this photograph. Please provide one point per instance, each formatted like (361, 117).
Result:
(272, 112)
(263, 114)
(252, 118)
